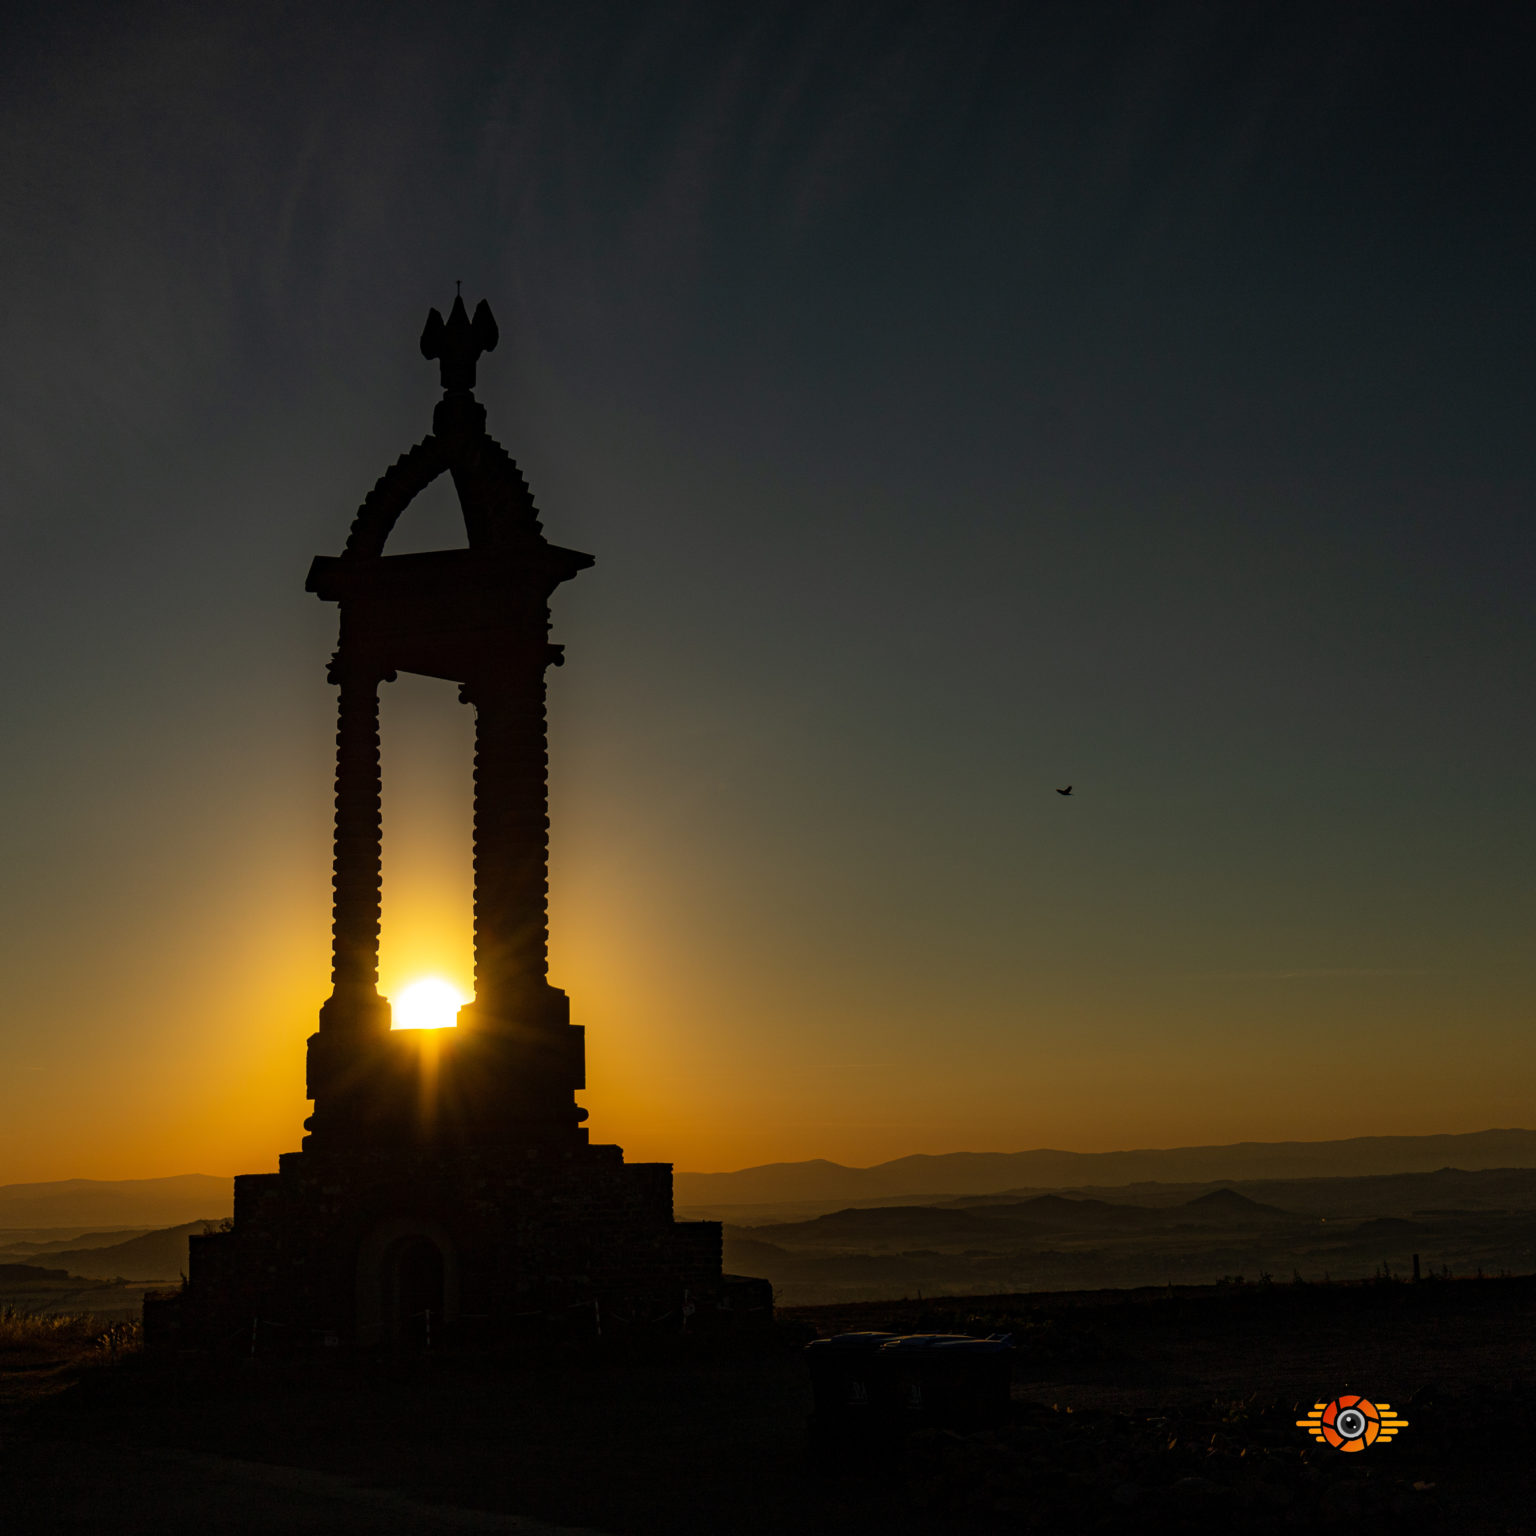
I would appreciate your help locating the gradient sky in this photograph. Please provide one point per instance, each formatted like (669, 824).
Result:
(961, 400)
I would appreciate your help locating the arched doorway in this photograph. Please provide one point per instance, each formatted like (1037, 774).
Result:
(415, 1291)
(407, 1284)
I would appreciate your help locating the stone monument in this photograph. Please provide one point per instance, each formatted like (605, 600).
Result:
(447, 1182)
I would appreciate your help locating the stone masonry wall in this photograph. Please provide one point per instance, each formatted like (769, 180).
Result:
(524, 1232)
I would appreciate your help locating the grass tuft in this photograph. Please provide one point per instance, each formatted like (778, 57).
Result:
(66, 1333)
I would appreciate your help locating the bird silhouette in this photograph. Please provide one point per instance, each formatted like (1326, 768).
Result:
(1066, 791)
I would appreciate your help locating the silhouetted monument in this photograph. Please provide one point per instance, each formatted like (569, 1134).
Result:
(446, 1175)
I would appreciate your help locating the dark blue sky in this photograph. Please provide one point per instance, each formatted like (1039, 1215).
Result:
(960, 400)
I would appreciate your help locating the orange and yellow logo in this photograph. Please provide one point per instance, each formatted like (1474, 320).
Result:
(1352, 1423)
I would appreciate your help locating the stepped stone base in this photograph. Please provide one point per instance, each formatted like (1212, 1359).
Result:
(413, 1246)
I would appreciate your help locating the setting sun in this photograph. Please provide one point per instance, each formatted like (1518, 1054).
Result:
(429, 1004)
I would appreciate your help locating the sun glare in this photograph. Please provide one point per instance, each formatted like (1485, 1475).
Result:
(429, 1004)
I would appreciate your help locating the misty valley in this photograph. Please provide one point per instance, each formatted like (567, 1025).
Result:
(1461, 1223)
(1256, 1231)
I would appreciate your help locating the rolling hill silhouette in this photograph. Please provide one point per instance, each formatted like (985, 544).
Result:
(1446, 1222)
(95, 1203)
(978, 1173)
(152, 1256)
(1063, 1211)
(1227, 1204)
(873, 1224)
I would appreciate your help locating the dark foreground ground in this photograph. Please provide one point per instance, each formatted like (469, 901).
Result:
(1133, 1411)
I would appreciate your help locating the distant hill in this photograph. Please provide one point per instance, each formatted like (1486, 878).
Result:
(1063, 1211)
(1223, 1203)
(29, 1274)
(909, 1224)
(154, 1256)
(36, 1247)
(42, 1290)
(1451, 1221)
(142, 1203)
(982, 1173)
(882, 1228)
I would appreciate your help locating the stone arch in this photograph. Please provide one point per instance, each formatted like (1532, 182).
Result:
(405, 1266)
(499, 510)
(494, 497)
(392, 493)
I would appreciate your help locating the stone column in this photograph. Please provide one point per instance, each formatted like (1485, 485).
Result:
(511, 854)
(357, 879)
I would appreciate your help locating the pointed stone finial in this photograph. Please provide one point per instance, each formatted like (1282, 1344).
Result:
(458, 342)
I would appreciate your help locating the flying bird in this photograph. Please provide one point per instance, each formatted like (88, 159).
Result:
(1066, 791)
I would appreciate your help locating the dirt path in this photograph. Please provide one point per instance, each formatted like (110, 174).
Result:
(58, 1487)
